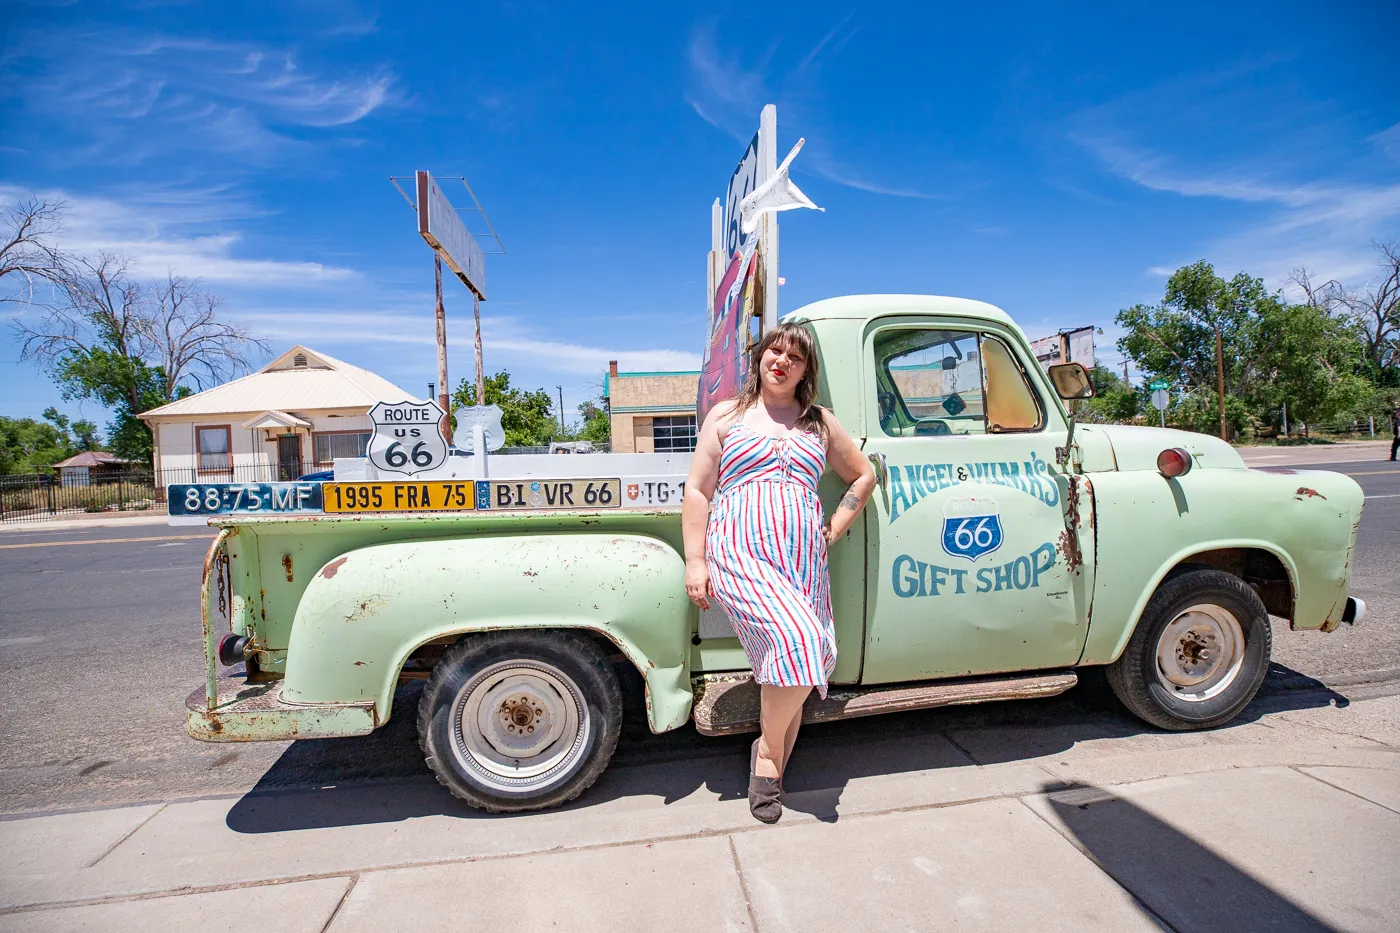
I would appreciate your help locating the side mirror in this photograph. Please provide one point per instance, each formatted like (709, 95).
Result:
(1071, 380)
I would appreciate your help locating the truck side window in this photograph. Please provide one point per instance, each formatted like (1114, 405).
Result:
(944, 383)
(1011, 405)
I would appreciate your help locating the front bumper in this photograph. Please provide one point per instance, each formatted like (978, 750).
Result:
(244, 712)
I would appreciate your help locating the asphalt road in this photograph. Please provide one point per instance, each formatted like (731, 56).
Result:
(100, 644)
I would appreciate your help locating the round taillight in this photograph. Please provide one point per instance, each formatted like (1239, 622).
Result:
(1173, 462)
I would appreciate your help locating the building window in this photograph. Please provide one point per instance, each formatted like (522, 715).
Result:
(331, 446)
(215, 446)
(673, 435)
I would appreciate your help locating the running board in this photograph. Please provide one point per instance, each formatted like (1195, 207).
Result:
(727, 704)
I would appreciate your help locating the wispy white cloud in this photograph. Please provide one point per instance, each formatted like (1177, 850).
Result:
(728, 94)
(189, 232)
(1311, 188)
(507, 341)
(137, 96)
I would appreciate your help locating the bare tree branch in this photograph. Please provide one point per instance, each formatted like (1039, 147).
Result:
(25, 247)
(190, 341)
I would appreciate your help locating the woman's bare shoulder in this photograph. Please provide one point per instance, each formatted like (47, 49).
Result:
(724, 415)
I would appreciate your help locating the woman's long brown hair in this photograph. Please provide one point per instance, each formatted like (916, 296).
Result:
(793, 338)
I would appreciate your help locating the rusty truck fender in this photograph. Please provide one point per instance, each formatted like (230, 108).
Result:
(366, 611)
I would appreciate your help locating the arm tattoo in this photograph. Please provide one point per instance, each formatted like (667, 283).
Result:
(849, 501)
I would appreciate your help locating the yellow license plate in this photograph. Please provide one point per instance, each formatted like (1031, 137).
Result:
(401, 496)
(556, 494)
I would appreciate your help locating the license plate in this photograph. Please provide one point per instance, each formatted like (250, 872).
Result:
(403, 496)
(640, 492)
(556, 494)
(195, 500)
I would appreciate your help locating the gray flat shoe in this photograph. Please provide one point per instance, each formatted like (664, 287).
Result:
(765, 793)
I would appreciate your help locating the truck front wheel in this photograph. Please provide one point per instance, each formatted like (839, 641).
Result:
(1198, 655)
(520, 720)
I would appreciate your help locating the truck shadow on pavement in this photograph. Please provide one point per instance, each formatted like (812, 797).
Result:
(381, 778)
(1180, 882)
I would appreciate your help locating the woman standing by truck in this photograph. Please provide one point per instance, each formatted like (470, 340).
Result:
(759, 545)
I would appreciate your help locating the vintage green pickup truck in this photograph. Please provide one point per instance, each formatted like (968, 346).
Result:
(1004, 548)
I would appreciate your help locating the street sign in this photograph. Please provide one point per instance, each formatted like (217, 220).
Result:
(1156, 384)
(489, 417)
(441, 226)
(407, 437)
(1160, 398)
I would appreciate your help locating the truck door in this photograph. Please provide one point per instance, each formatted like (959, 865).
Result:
(967, 568)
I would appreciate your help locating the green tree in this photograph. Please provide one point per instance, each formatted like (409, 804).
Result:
(1112, 401)
(130, 345)
(597, 423)
(29, 446)
(527, 417)
(1312, 362)
(1272, 351)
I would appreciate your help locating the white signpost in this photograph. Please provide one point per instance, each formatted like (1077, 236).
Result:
(406, 438)
(1160, 399)
(479, 430)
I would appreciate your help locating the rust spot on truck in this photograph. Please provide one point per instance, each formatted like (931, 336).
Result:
(330, 569)
(287, 566)
(1309, 493)
(1069, 538)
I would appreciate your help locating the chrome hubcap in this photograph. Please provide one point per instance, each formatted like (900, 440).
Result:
(1200, 652)
(520, 725)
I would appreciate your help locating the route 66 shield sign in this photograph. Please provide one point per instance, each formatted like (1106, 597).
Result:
(971, 527)
(407, 437)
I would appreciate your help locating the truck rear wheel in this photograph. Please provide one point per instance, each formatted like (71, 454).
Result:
(521, 720)
(1198, 655)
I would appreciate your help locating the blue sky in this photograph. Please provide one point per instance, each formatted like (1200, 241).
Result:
(1055, 161)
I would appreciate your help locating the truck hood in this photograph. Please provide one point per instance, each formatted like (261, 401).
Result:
(1136, 448)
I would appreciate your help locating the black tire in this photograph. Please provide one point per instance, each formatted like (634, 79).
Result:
(1142, 684)
(515, 676)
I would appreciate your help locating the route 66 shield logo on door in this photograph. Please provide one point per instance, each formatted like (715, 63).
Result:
(407, 437)
(971, 527)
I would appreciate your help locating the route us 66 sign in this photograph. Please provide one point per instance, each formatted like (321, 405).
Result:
(407, 437)
(971, 527)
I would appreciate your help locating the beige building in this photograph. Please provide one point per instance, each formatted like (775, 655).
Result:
(293, 416)
(651, 412)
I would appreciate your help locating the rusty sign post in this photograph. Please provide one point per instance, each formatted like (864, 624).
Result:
(440, 224)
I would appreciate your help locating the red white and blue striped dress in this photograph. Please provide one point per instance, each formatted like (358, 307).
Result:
(767, 556)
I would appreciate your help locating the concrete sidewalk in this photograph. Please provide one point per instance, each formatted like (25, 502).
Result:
(83, 520)
(1290, 820)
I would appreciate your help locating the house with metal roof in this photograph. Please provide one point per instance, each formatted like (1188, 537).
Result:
(91, 466)
(294, 416)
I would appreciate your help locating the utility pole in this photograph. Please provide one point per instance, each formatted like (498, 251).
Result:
(1126, 384)
(442, 382)
(561, 409)
(480, 373)
(1220, 382)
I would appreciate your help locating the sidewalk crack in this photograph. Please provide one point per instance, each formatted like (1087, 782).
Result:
(743, 885)
(136, 829)
(354, 880)
(1299, 769)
